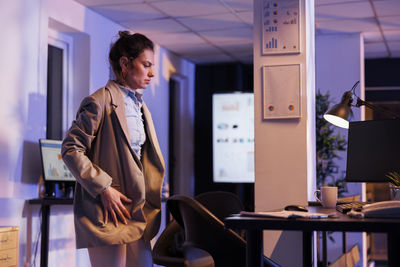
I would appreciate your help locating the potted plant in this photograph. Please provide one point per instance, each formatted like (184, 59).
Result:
(394, 179)
(328, 143)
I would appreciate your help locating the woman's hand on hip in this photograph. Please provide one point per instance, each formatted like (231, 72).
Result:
(112, 204)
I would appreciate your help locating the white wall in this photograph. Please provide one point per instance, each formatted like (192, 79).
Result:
(23, 107)
(339, 64)
(285, 148)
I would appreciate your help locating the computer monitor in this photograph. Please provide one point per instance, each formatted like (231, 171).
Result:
(55, 172)
(373, 150)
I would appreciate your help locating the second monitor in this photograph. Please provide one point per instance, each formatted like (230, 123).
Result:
(373, 150)
(59, 181)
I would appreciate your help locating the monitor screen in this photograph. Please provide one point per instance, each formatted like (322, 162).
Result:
(53, 166)
(373, 150)
(233, 137)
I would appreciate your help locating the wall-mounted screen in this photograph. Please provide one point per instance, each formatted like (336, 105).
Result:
(233, 137)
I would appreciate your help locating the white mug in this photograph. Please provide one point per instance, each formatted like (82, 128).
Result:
(329, 195)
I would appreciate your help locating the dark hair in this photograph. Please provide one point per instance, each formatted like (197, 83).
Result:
(129, 45)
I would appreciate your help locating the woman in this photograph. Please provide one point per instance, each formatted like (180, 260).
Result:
(113, 152)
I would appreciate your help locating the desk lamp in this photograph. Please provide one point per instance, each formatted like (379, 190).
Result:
(340, 114)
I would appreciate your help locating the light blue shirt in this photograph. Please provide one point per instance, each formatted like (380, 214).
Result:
(134, 118)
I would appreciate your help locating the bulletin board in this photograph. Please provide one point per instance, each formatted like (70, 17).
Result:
(280, 27)
(281, 91)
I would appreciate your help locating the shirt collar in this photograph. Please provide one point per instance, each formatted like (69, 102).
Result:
(134, 94)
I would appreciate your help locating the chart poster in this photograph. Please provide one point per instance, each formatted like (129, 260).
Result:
(280, 27)
(233, 138)
(281, 91)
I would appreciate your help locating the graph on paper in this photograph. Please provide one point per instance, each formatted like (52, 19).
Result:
(280, 26)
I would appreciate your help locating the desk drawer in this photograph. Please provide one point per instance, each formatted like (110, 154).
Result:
(8, 238)
(9, 257)
(9, 246)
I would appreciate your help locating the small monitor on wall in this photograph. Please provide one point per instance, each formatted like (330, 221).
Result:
(373, 150)
(233, 137)
(59, 181)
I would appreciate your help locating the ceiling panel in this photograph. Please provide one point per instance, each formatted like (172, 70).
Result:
(189, 8)
(155, 26)
(392, 35)
(332, 2)
(239, 48)
(222, 30)
(212, 22)
(247, 17)
(196, 49)
(387, 7)
(106, 2)
(372, 55)
(119, 13)
(239, 5)
(375, 47)
(394, 46)
(358, 25)
(229, 36)
(396, 54)
(390, 23)
(177, 39)
(345, 11)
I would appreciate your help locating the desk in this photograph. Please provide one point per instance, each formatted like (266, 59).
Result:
(341, 223)
(46, 203)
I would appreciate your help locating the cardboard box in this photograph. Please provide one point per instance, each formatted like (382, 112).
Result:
(9, 246)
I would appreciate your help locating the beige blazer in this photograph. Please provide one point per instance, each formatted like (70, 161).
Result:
(97, 151)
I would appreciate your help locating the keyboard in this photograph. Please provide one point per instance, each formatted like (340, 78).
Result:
(346, 207)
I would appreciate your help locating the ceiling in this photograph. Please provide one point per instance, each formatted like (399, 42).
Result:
(212, 31)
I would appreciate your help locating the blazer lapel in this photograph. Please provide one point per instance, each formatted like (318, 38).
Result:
(151, 134)
(117, 101)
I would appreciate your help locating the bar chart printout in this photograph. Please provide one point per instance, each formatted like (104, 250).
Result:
(280, 26)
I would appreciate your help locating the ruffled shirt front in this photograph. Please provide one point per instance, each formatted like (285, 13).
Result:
(134, 118)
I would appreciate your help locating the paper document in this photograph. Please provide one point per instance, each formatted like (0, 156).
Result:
(288, 214)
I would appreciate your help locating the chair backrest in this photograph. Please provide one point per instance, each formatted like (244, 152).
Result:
(206, 231)
(220, 203)
(167, 250)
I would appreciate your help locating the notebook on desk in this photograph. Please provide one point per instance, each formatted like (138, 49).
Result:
(382, 209)
(287, 214)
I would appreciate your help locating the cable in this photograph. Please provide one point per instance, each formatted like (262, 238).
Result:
(38, 236)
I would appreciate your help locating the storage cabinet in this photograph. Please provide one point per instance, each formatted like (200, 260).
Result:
(9, 246)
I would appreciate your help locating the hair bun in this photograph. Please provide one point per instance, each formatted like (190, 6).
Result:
(124, 34)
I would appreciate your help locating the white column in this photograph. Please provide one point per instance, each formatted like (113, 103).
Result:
(285, 148)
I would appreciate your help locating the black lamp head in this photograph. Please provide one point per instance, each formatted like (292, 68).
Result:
(340, 114)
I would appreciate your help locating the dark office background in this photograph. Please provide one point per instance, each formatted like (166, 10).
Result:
(210, 79)
(381, 73)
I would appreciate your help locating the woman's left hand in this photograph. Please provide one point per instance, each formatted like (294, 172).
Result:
(112, 203)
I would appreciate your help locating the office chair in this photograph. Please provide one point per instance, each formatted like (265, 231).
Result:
(168, 250)
(220, 203)
(205, 231)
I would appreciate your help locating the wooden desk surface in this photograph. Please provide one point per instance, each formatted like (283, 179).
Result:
(341, 222)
